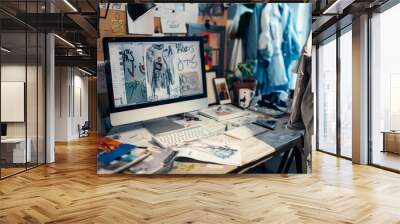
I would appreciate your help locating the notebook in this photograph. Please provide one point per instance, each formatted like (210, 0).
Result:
(245, 131)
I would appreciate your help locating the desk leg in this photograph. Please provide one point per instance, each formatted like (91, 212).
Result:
(289, 161)
(295, 153)
(299, 160)
(283, 161)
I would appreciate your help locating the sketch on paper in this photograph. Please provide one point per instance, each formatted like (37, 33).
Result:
(211, 151)
(190, 83)
(134, 75)
(162, 80)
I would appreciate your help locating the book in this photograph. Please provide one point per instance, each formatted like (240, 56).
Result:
(222, 112)
(245, 131)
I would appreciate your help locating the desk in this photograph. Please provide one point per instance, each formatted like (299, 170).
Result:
(255, 150)
(16, 148)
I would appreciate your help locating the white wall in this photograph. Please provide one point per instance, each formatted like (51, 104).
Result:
(71, 87)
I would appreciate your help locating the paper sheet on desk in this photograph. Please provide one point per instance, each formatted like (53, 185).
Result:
(139, 136)
(212, 151)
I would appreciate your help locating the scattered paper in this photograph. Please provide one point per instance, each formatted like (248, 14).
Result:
(173, 23)
(219, 152)
(143, 25)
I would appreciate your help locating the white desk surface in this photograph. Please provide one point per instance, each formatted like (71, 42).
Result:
(13, 140)
(252, 148)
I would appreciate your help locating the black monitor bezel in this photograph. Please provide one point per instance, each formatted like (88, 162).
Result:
(107, 40)
(3, 129)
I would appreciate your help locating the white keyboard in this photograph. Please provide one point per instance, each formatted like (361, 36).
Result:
(173, 138)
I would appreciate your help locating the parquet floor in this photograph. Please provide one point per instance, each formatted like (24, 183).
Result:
(69, 191)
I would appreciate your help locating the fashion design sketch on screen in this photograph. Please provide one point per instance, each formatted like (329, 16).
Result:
(134, 74)
(162, 79)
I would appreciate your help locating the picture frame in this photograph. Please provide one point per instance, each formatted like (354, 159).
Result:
(212, 97)
(222, 91)
(214, 45)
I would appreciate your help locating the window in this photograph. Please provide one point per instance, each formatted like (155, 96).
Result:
(346, 93)
(327, 96)
(22, 75)
(385, 87)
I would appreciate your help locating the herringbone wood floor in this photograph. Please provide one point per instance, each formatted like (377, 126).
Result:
(69, 191)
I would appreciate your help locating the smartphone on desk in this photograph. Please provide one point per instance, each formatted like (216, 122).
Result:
(266, 123)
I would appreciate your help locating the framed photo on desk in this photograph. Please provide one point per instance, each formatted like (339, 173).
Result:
(222, 91)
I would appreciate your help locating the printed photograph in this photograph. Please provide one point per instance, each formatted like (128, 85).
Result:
(222, 90)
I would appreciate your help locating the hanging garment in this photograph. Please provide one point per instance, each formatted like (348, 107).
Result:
(278, 47)
(237, 55)
(291, 46)
(251, 38)
(303, 77)
(302, 81)
(234, 41)
(307, 112)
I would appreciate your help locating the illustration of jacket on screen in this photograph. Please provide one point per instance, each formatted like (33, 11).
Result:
(278, 47)
(160, 68)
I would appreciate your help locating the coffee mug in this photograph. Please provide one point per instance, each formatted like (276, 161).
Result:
(245, 97)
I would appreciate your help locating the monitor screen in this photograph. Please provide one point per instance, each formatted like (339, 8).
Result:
(152, 71)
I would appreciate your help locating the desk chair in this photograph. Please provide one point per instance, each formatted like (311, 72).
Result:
(84, 130)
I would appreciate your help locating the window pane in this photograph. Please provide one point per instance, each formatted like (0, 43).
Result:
(327, 97)
(346, 94)
(14, 153)
(385, 84)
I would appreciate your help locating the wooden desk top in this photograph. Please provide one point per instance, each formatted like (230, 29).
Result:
(254, 150)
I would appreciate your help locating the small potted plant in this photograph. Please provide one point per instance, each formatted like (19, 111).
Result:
(243, 78)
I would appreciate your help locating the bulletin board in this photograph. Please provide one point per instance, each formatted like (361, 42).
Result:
(116, 24)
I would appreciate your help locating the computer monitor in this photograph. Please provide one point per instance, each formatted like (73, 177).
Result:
(3, 130)
(153, 77)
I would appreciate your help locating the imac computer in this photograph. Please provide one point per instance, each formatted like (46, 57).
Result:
(154, 77)
(3, 130)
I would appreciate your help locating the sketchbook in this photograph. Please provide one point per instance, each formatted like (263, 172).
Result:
(223, 112)
(211, 151)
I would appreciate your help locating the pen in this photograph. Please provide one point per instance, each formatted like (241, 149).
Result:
(141, 147)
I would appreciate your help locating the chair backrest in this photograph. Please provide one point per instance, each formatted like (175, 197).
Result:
(86, 125)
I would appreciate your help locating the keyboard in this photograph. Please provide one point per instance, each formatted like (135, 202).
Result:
(178, 137)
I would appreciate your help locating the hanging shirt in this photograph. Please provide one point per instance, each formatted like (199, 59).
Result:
(278, 47)
(234, 41)
(253, 32)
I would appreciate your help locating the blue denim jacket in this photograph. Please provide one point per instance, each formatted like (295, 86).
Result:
(278, 47)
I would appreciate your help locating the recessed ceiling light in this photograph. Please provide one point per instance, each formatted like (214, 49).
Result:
(5, 50)
(64, 40)
(70, 5)
(84, 71)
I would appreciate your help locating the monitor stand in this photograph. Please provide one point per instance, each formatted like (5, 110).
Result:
(162, 125)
